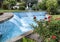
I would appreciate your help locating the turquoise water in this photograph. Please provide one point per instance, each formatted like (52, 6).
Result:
(19, 24)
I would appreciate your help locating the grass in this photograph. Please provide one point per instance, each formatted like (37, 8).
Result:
(56, 16)
(25, 39)
(16, 10)
(12, 10)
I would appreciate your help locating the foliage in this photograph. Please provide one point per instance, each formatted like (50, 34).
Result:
(51, 6)
(8, 3)
(11, 1)
(30, 1)
(35, 7)
(5, 4)
(42, 5)
(27, 40)
(58, 2)
(22, 4)
(49, 30)
(21, 8)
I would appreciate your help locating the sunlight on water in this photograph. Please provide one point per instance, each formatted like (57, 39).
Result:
(19, 24)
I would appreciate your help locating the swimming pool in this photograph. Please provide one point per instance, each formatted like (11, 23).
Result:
(19, 24)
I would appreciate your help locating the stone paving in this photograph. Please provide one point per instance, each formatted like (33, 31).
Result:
(6, 16)
(35, 36)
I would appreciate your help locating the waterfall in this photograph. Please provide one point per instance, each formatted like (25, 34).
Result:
(19, 23)
(27, 7)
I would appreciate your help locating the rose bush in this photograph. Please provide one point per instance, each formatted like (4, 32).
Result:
(49, 30)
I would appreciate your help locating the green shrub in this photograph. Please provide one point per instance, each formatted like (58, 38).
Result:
(48, 30)
(42, 5)
(12, 2)
(7, 4)
(35, 7)
(5, 7)
(58, 2)
(51, 6)
(22, 8)
(22, 4)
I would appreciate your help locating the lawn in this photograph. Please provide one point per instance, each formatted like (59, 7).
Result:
(12, 10)
(56, 16)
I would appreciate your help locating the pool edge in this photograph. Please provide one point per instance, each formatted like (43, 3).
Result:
(19, 37)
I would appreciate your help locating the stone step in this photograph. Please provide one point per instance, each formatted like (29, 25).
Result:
(35, 36)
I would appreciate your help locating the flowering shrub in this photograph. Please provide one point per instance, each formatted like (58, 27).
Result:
(53, 37)
(34, 17)
(49, 30)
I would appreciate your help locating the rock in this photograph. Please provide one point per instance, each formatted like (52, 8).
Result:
(35, 37)
(5, 16)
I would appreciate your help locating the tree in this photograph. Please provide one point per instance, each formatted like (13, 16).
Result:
(1, 1)
(51, 6)
(8, 3)
(58, 2)
(42, 5)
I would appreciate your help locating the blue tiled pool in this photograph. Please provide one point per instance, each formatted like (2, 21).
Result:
(19, 24)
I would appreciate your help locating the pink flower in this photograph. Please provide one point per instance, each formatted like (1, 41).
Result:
(53, 37)
(34, 17)
(49, 17)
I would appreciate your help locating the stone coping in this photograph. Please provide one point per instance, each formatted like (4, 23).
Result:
(5, 16)
(20, 36)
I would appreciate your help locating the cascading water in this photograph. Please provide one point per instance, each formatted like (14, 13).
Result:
(9, 26)
(17, 25)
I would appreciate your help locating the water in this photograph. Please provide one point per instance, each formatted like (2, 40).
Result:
(19, 24)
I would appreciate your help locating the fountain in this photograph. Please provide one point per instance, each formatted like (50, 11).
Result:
(15, 27)
(12, 28)
(28, 7)
(3, 18)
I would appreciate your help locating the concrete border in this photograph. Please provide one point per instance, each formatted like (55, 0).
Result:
(5, 17)
(19, 37)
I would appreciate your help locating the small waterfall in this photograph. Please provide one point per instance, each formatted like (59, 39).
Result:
(1, 29)
(27, 7)
(16, 21)
(19, 23)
